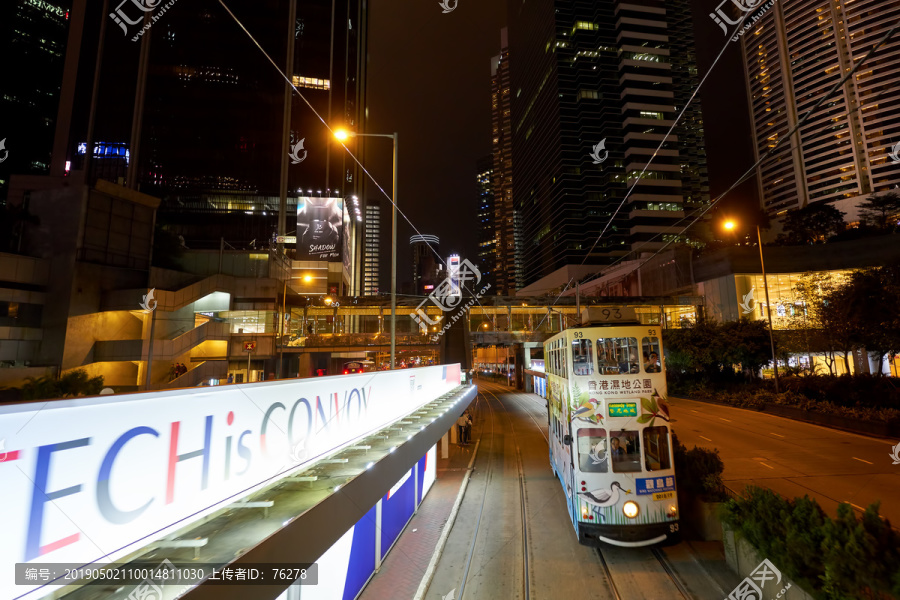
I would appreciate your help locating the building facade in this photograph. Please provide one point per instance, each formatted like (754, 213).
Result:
(603, 86)
(34, 33)
(794, 54)
(487, 236)
(426, 264)
(507, 244)
(371, 249)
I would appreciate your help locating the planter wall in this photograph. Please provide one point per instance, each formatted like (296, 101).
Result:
(743, 559)
(704, 518)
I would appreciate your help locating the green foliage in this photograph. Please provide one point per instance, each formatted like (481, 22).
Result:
(836, 559)
(883, 409)
(878, 210)
(716, 349)
(699, 472)
(73, 383)
(812, 225)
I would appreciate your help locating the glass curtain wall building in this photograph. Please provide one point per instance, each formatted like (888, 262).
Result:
(597, 98)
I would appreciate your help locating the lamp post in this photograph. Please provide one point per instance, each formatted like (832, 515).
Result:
(342, 135)
(730, 225)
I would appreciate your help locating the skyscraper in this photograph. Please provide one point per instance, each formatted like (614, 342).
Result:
(599, 87)
(426, 265)
(507, 269)
(371, 250)
(487, 237)
(794, 54)
(33, 41)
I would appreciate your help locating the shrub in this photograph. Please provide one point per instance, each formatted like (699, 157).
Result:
(73, 383)
(699, 472)
(835, 559)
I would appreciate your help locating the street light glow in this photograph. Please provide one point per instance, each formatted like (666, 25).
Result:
(307, 278)
(342, 135)
(328, 300)
(729, 225)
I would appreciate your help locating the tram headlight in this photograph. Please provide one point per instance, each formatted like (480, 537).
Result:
(631, 509)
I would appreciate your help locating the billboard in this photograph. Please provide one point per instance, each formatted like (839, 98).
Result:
(93, 479)
(319, 228)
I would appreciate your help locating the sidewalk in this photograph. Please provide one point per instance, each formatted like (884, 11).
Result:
(405, 564)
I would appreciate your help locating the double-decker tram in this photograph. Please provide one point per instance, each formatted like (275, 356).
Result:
(610, 443)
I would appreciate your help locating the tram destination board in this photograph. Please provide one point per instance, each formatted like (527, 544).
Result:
(610, 315)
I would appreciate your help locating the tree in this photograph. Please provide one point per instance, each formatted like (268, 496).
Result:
(715, 349)
(879, 209)
(812, 225)
(827, 312)
(872, 296)
(73, 383)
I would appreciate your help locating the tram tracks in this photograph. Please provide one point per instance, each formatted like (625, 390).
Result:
(654, 557)
(523, 516)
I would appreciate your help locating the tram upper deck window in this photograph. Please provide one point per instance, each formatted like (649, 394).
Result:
(650, 346)
(592, 454)
(625, 450)
(582, 359)
(656, 448)
(617, 355)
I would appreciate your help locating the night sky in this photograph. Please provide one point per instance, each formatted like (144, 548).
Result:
(429, 80)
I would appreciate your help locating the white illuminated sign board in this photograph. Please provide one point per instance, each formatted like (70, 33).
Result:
(94, 479)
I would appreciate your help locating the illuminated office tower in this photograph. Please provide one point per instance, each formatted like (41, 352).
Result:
(795, 53)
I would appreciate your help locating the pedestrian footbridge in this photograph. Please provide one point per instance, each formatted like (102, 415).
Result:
(290, 472)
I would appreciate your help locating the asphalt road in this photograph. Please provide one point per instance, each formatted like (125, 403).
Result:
(484, 557)
(793, 458)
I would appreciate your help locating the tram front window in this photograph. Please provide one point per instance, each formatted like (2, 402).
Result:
(617, 355)
(592, 454)
(656, 448)
(625, 450)
(582, 361)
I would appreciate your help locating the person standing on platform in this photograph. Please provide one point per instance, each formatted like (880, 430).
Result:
(461, 429)
(467, 429)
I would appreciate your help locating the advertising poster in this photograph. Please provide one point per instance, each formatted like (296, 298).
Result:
(319, 228)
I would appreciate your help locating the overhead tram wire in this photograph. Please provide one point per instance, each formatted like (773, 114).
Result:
(653, 156)
(331, 131)
(769, 154)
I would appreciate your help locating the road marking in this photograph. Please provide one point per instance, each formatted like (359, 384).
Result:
(692, 410)
(778, 434)
(726, 420)
(706, 438)
(859, 508)
(861, 460)
(765, 465)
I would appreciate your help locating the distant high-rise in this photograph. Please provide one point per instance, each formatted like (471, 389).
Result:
(507, 271)
(599, 86)
(487, 237)
(371, 250)
(843, 150)
(426, 265)
(33, 44)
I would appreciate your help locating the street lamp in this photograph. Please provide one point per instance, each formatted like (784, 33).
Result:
(342, 135)
(730, 225)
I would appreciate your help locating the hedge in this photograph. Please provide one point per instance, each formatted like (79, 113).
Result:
(834, 559)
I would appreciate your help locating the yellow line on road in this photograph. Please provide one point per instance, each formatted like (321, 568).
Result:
(765, 465)
(778, 434)
(706, 438)
(861, 460)
(694, 411)
(859, 508)
(726, 420)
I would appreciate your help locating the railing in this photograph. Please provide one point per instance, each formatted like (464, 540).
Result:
(359, 339)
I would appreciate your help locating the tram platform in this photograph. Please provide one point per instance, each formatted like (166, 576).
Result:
(403, 570)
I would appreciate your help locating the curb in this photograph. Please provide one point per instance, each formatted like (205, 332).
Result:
(442, 541)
